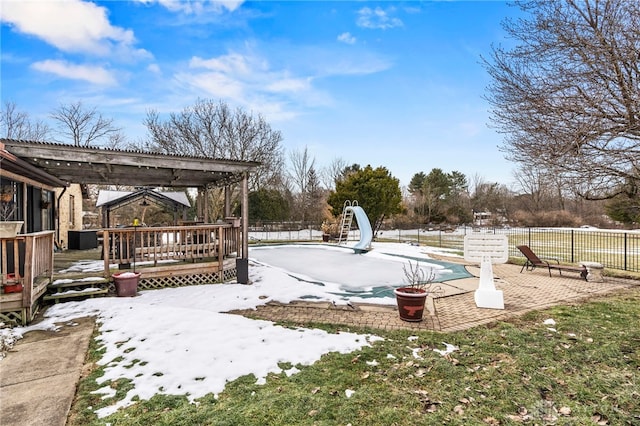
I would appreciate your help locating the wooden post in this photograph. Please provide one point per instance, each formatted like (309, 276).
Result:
(220, 235)
(205, 198)
(245, 215)
(227, 201)
(242, 264)
(27, 279)
(106, 252)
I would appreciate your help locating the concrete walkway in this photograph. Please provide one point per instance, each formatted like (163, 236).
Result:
(39, 376)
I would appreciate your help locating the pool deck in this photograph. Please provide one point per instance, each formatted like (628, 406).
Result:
(455, 310)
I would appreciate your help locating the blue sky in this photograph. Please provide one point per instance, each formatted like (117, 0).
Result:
(389, 83)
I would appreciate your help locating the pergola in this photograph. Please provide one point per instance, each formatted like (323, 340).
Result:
(106, 166)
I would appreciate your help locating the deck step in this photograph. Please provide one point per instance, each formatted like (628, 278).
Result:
(87, 293)
(76, 289)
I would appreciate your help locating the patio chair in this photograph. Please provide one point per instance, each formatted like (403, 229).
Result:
(534, 261)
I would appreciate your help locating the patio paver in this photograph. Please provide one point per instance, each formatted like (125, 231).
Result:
(456, 310)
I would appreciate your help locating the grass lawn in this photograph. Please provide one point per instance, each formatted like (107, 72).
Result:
(582, 370)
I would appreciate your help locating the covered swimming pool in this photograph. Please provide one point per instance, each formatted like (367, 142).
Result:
(348, 274)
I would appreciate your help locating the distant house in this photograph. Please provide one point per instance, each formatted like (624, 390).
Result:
(482, 218)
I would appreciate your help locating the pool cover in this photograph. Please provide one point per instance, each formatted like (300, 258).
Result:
(368, 275)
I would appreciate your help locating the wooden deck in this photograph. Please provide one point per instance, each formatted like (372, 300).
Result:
(173, 256)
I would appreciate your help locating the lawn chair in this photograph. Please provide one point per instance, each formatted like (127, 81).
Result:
(534, 261)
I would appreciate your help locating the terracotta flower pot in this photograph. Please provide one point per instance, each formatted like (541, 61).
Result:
(411, 302)
(126, 283)
(12, 284)
(12, 288)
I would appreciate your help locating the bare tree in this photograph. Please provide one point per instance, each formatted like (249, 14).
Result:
(301, 163)
(536, 186)
(17, 124)
(118, 140)
(567, 95)
(333, 172)
(308, 195)
(211, 129)
(490, 197)
(84, 127)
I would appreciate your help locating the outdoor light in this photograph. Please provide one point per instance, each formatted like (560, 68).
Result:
(136, 223)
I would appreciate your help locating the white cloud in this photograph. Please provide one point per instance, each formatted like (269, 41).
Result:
(280, 93)
(364, 65)
(347, 38)
(71, 25)
(290, 85)
(233, 63)
(92, 74)
(214, 84)
(154, 68)
(243, 78)
(249, 82)
(377, 18)
(197, 7)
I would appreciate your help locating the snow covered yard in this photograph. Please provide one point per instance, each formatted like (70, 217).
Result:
(180, 341)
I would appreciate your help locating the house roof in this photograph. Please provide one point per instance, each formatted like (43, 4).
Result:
(112, 198)
(96, 165)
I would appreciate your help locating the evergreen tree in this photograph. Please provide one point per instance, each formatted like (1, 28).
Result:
(376, 191)
(267, 205)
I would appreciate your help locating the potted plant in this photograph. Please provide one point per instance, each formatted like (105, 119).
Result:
(6, 193)
(329, 230)
(126, 283)
(412, 297)
(8, 228)
(326, 229)
(11, 283)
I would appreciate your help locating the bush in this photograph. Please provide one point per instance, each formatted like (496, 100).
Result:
(556, 218)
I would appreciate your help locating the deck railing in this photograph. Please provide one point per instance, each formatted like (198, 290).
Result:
(151, 245)
(27, 260)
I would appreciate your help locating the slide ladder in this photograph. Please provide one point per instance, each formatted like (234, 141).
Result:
(347, 219)
(351, 209)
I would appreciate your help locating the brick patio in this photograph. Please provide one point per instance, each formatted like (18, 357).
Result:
(456, 310)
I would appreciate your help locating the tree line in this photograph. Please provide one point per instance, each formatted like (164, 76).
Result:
(291, 186)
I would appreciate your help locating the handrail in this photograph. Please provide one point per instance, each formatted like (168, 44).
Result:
(38, 261)
(32, 258)
(38, 253)
(135, 245)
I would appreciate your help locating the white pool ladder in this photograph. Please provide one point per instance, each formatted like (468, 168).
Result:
(347, 219)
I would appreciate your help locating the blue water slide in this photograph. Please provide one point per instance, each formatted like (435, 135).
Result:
(366, 234)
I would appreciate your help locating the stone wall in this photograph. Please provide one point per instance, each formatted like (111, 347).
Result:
(69, 213)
